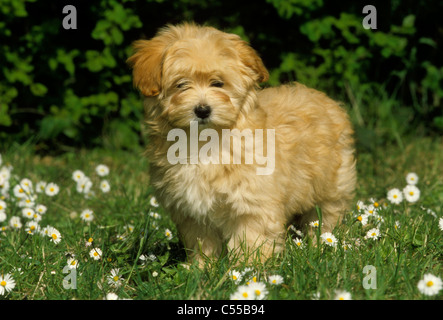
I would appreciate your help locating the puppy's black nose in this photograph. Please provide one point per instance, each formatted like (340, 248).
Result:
(202, 111)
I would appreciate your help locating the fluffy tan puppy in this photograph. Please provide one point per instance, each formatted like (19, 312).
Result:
(199, 80)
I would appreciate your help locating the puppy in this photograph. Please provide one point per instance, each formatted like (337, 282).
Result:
(199, 82)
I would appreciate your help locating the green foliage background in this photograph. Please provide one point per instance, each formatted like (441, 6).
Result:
(72, 88)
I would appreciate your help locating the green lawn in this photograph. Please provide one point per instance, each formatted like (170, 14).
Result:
(140, 240)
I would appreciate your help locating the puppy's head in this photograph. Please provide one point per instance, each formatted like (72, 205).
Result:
(197, 74)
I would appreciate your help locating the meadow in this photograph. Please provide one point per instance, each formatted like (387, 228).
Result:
(84, 225)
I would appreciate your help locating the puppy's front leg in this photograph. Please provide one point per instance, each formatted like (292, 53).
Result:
(200, 240)
(256, 237)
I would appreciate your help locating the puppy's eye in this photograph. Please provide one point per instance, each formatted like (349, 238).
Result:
(217, 84)
(182, 85)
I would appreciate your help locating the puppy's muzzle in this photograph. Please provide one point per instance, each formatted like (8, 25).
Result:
(202, 112)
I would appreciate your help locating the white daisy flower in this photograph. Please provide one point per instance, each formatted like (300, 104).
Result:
(7, 283)
(243, 293)
(111, 296)
(374, 234)
(87, 215)
(329, 239)
(32, 227)
(440, 223)
(3, 205)
(40, 187)
(115, 280)
(102, 170)
(430, 285)
(363, 218)
(95, 253)
(55, 235)
(28, 213)
(154, 215)
(259, 289)
(235, 275)
(154, 202)
(15, 222)
(314, 224)
(397, 225)
(168, 234)
(370, 209)
(412, 178)
(2, 216)
(104, 186)
(19, 192)
(342, 295)
(299, 243)
(395, 196)
(411, 193)
(275, 279)
(360, 205)
(52, 189)
(72, 263)
(78, 175)
(84, 185)
(40, 209)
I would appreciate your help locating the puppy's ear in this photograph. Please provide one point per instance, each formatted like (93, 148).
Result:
(250, 58)
(147, 65)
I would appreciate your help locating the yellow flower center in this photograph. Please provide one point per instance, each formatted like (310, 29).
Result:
(95, 254)
(90, 240)
(376, 204)
(360, 218)
(299, 244)
(32, 228)
(87, 215)
(54, 236)
(329, 240)
(73, 263)
(51, 189)
(234, 277)
(411, 193)
(257, 292)
(245, 294)
(20, 190)
(115, 278)
(373, 234)
(341, 298)
(395, 196)
(429, 283)
(274, 281)
(3, 283)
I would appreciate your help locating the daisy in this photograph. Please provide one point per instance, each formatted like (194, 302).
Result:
(84, 185)
(2, 216)
(32, 227)
(89, 242)
(329, 239)
(430, 285)
(235, 275)
(440, 224)
(40, 187)
(314, 224)
(102, 170)
(95, 253)
(299, 243)
(411, 178)
(115, 280)
(363, 218)
(111, 296)
(72, 263)
(87, 215)
(342, 295)
(19, 191)
(15, 222)
(411, 193)
(374, 234)
(168, 234)
(104, 186)
(275, 279)
(52, 189)
(395, 196)
(259, 289)
(397, 225)
(7, 283)
(370, 209)
(243, 293)
(154, 202)
(28, 213)
(40, 209)
(45, 230)
(2, 205)
(154, 215)
(360, 205)
(78, 175)
(55, 235)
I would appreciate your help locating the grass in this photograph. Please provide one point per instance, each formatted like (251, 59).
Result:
(125, 231)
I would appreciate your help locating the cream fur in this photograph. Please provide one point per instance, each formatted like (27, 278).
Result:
(214, 204)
